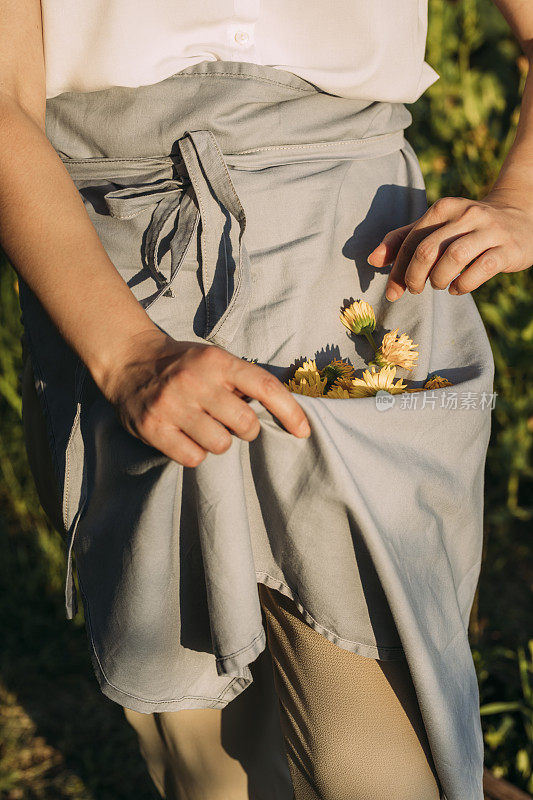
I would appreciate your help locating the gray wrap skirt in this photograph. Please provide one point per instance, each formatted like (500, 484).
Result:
(240, 202)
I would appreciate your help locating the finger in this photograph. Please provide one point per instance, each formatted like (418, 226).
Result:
(235, 413)
(387, 249)
(172, 442)
(203, 429)
(396, 285)
(488, 264)
(449, 243)
(458, 255)
(444, 210)
(274, 395)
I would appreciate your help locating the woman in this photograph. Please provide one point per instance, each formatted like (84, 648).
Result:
(194, 215)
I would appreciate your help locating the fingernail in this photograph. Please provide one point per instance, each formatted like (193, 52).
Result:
(392, 294)
(380, 250)
(453, 290)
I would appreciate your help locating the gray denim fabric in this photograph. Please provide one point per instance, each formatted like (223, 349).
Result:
(240, 203)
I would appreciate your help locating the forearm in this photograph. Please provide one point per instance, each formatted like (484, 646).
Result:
(52, 244)
(515, 179)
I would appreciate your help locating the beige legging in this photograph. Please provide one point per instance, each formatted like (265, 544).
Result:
(351, 727)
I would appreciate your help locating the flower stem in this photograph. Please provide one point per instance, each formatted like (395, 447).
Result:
(370, 340)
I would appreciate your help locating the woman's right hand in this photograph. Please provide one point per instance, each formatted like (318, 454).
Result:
(179, 396)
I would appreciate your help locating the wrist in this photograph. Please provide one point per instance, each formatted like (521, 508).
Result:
(511, 191)
(106, 365)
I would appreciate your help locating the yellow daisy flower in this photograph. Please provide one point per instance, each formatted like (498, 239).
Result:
(344, 383)
(314, 387)
(372, 381)
(396, 351)
(359, 317)
(339, 391)
(308, 368)
(336, 369)
(437, 382)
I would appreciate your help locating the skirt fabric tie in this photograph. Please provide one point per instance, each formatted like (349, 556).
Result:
(213, 188)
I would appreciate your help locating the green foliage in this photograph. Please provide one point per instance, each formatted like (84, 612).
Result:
(462, 129)
(465, 122)
(506, 683)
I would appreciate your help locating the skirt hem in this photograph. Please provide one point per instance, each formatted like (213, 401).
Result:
(240, 661)
(234, 687)
(381, 652)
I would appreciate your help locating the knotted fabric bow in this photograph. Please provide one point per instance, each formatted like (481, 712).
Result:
(215, 195)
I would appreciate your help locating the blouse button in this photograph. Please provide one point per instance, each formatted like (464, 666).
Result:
(241, 37)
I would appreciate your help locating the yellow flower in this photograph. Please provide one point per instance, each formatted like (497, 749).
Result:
(314, 387)
(336, 370)
(436, 382)
(359, 317)
(307, 369)
(344, 383)
(339, 391)
(307, 380)
(396, 351)
(373, 381)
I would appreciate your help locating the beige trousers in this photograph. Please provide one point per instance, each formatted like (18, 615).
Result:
(351, 727)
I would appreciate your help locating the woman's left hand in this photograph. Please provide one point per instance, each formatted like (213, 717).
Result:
(457, 242)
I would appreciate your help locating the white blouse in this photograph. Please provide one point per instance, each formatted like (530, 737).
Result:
(368, 49)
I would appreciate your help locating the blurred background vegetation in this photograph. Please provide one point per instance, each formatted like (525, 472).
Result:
(59, 737)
